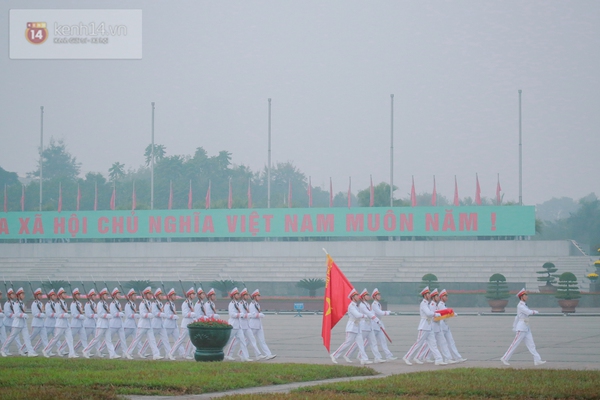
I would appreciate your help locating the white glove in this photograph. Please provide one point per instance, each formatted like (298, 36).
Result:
(193, 315)
(437, 315)
(455, 314)
(175, 317)
(535, 312)
(261, 315)
(388, 313)
(108, 316)
(25, 316)
(216, 316)
(136, 316)
(150, 316)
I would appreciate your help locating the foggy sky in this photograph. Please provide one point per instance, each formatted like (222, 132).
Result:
(330, 66)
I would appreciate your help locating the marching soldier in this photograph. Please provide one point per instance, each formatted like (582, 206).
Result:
(130, 324)
(199, 306)
(61, 327)
(19, 326)
(91, 315)
(377, 328)
(2, 329)
(245, 327)
(255, 323)
(210, 309)
(115, 325)
(170, 322)
(144, 326)
(521, 327)
(424, 328)
(158, 309)
(188, 316)
(102, 331)
(366, 329)
(237, 336)
(436, 331)
(77, 319)
(9, 312)
(353, 331)
(37, 324)
(446, 329)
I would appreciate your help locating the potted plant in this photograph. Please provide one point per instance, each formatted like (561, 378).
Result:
(312, 285)
(497, 293)
(567, 292)
(209, 336)
(549, 277)
(428, 280)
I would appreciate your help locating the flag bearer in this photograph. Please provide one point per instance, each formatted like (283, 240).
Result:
(446, 329)
(353, 331)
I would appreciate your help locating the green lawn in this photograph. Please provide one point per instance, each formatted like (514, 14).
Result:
(40, 378)
(460, 383)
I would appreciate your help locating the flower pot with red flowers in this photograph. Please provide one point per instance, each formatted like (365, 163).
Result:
(209, 336)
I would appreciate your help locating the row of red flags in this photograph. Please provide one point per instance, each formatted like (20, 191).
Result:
(413, 195)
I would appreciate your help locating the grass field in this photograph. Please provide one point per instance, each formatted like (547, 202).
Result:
(40, 378)
(459, 383)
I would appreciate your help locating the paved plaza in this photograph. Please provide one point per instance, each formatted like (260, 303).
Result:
(565, 342)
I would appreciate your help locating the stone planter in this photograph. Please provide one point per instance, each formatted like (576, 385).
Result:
(209, 342)
(498, 305)
(568, 306)
(547, 289)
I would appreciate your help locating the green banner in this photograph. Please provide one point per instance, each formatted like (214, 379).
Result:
(278, 222)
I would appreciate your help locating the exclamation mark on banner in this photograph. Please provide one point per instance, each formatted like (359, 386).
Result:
(493, 221)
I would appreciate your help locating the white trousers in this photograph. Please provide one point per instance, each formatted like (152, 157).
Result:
(121, 342)
(351, 338)
(368, 338)
(163, 339)
(382, 340)
(132, 332)
(149, 333)
(250, 338)
(451, 344)
(442, 347)
(519, 337)
(81, 333)
(14, 333)
(237, 338)
(58, 334)
(102, 334)
(41, 332)
(183, 343)
(422, 338)
(259, 334)
(7, 332)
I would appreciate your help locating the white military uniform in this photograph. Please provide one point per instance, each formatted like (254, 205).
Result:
(379, 335)
(144, 327)
(50, 321)
(37, 324)
(9, 312)
(245, 327)
(130, 324)
(188, 315)
(170, 324)
(102, 331)
(255, 323)
(210, 309)
(61, 328)
(237, 335)
(89, 324)
(19, 325)
(158, 326)
(366, 329)
(77, 319)
(2, 328)
(425, 335)
(436, 331)
(448, 335)
(352, 334)
(115, 325)
(523, 332)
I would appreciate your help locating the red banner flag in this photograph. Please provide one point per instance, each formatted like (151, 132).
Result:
(59, 197)
(230, 197)
(456, 200)
(78, 196)
(22, 197)
(371, 194)
(330, 193)
(113, 198)
(95, 196)
(477, 191)
(349, 191)
(249, 192)
(289, 194)
(498, 190)
(335, 304)
(309, 190)
(413, 194)
(207, 199)
(434, 194)
(133, 198)
(190, 196)
(170, 205)
(5, 200)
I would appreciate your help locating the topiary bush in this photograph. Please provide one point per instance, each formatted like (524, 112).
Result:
(567, 288)
(497, 288)
(428, 280)
(549, 274)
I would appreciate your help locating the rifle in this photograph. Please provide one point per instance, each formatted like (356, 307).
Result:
(121, 287)
(83, 287)
(70, 287)
(95, 287)
(31, 288)
(182, 289)
(5, 287)
(51, 284)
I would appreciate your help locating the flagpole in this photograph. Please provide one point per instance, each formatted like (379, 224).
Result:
(520, 155)
(392, 151)
(41, 151)
(152, 164)
(269, 162)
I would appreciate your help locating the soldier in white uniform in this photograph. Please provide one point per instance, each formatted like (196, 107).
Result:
(144, 327)
(377, 328)
(91, 315)
(51, 309)
(19, 325)
(210, 309)
(237, 335)
(77, 319)
(255, 322)
(436, 331)
(158, 309)
(61, 327)
(170, 322)
(102, 324)
(245, 327)
(199, 306)
(188, 315)
(366, 329)
(9, 312)
(37, 324)
(115, 325)
(353, 334)
(130, 323)
(523, 332)
(425, 335)
(446, 329)
(2, 328)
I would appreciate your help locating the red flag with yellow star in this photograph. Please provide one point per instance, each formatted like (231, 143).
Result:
(336, 300)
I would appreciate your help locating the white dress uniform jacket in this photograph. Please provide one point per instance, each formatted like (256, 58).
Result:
(90, 314)
(51, 310)
(354, 318)
(235, 313)
(77, 314)
(117, 313)
(376, 306)
(146, 315)
(130, 315)
(37, 310)
(103, 315)
(426, 316)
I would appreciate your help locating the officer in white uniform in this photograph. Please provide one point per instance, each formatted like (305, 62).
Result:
(61, 327)
(245, 327)
(170, 322)
(9, 312)
(210, 309)
(102, 325)
(237, 335)
(2, 329)
(366, 329)
(158, 309)
(91, 315)
(19, 325)
(144, 327)
(77, 319)
(187, 317)
(37, 324)
(446, 329)
(523, 332)
(130, 323)
(425, 335)
(436, 331)
(199, 306)
(353, 334)
(377, 328)
(115, 325)
(51, 309)
(255, 322)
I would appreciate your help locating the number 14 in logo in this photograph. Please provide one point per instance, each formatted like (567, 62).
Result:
(36, 32)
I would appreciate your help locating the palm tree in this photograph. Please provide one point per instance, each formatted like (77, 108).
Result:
(159, 153)
(117, 171)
